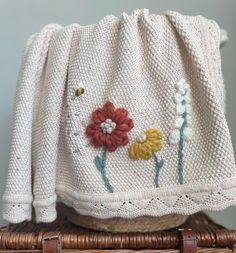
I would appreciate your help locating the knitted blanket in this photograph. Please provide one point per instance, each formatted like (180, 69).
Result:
(122, 118)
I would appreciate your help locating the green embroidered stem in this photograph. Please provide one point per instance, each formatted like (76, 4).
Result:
(158, 166)
(181, 152)
(100, 163)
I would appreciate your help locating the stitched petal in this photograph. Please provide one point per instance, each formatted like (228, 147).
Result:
(98, 139)
(145, 152)
(154, 133)
(109, 109)
(134, 151)
(125, 139)
(120, 115)
(112, 147)
(117, 138)
(129, 122)
(98, 116)
(156, 146)
(123, 128)
(92, 129)
(147, 145)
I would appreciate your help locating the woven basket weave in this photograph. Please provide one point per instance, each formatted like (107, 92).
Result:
(139, 224)
(28, 236)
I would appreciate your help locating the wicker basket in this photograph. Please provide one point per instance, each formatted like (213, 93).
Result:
(139, 224)
(27, 237)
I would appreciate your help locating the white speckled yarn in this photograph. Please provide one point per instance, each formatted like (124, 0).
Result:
(135, 62)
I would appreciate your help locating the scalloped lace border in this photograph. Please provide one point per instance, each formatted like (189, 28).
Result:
(214, 197)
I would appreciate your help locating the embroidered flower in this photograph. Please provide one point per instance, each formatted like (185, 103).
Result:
(108, 130)
(146, 146)
(146, 143)
(182, 130)
(182, 125)
(110, 127)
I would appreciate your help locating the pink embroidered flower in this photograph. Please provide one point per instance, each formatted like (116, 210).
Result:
(110, 127)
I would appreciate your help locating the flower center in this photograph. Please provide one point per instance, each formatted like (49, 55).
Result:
(108, 126)
(141, 138)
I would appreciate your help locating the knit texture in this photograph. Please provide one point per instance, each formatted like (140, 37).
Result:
(135, 62)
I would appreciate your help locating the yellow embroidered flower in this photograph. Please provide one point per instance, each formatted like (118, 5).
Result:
(146, 143)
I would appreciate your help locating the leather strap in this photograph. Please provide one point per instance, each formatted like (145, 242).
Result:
(188, 241)
(51, 242)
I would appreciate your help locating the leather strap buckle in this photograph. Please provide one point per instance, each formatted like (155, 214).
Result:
(188, 241)
(234, 248)
(51, 243)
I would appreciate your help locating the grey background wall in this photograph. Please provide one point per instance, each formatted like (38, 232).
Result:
(19, 19)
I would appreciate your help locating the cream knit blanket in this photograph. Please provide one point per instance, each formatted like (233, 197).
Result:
(122, 118)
